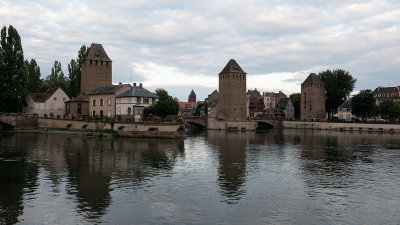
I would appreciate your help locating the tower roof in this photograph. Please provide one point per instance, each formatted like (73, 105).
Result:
(312, 79)
(97, 52)
(192, 93)
(232, 67)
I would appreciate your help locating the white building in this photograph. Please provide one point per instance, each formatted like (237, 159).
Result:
(133, 101)
(50, 103)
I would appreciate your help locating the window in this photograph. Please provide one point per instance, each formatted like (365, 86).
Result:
(146, 101)
(108, 113)
(101, 102)
(118, 110)
(101, 62)
(129, 100)
(64, 99)
(129, 110)
(109, 101)
(37, 106)
(118, 100)
(79, 108)
(90, 61)
(51, 106)
(101, 113)
(55, 98)
(94, 113)
(94, 102)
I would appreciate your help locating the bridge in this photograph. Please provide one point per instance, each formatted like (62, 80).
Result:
(202, 122)
(9, 121)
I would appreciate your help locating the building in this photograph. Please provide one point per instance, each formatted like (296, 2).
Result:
(102, 99)
(77, 107)
(96, 69)
(271, 99)
(133, 101)
(232, 93)
(48, 104)
(312, 105)
(192, 96)
(255, 102)
(286, 106)
(211, 104)
(344, 111)
(386, 93)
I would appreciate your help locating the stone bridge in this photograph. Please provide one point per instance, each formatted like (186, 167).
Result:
(197, 121)
(18, 121)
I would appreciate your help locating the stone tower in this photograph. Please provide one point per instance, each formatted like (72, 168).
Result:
(312, 106)
(96, 69)
(192, 97)
(232, 92)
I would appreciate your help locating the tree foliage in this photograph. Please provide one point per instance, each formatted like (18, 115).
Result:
(363, 104)
(12, 72)
(166, 106)
(338, 84)
(32, 74)
(74, 72)
(56, 78)
(388, 109)
(296, 99)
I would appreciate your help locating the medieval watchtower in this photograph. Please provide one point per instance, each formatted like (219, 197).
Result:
(192, 97)
(312, 105)
(96, 69)
(232, 92)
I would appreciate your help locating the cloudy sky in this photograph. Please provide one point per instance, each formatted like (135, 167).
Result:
(183, 45)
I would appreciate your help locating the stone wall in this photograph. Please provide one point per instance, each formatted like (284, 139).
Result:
(95, 73)
(342, 126)
(214, 124)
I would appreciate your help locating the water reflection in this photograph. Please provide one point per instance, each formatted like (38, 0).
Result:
(18, 176)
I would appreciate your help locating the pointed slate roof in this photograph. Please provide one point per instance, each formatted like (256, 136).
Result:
(97, 52)
(232, 67)
(312, 79)
(137, 91)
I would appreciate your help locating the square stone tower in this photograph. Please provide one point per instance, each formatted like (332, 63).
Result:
(312, 105)
(96, 69)
(232, 93)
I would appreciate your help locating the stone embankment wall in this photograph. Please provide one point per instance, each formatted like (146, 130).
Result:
(214, 124)
(19, 120)
(393, 128)
(125, 129)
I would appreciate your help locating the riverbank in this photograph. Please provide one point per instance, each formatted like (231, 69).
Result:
(361, 127)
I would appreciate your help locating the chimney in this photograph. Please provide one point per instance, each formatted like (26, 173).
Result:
(134, 84)
(120, 84)
(140, 84)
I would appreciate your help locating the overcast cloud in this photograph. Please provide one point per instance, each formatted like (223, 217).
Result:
(183, 45)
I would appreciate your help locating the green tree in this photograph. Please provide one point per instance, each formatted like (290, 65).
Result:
(12, 71)
(338, 84)
(166, 106)
(388, 109)
(56, 78)
(296, 98)
(363, 104)
(32, 73)
(74, 72)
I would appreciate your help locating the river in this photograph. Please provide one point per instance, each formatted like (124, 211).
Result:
(211, 177)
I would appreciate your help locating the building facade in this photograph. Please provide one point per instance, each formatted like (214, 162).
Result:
(211, 104)
(386, 93)
(271, 99)
(77, 107)
(232, 93)
(102, 100)
(344, 111)
(312, 105)
(286, 106)
(132, 102)
(48, 104)
(96, 69)
(255, 103)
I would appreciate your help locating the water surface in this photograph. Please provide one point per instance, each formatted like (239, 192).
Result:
(213, 177)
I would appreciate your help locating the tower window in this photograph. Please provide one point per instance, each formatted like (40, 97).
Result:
(90, 61)
(101, 63)
(96, 62)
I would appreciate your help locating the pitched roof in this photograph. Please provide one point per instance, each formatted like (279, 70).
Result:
(80, 98)
(42, 97)
(232, 67)
(346, 104)
(108, 89)
(312, 79)
(137, 91)
(97, 52)
(386, 90)
(186, 105)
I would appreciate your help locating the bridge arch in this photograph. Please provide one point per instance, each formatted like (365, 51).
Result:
(263, 125)
(6, 126)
